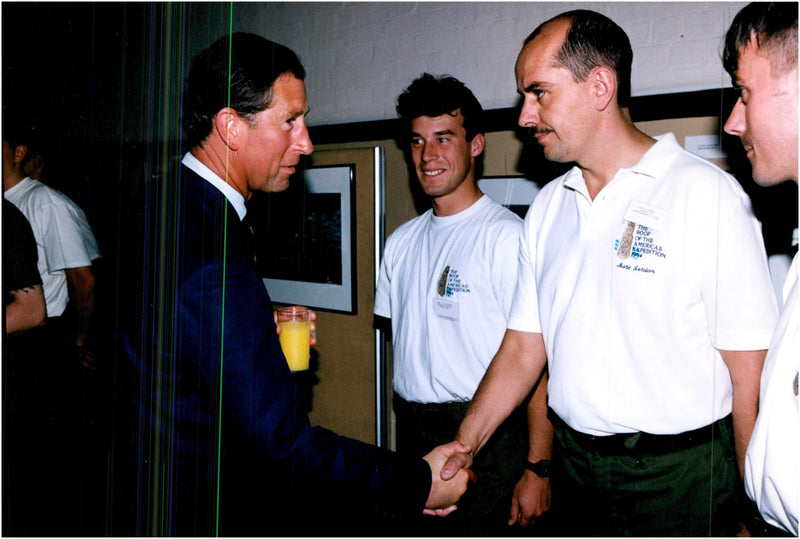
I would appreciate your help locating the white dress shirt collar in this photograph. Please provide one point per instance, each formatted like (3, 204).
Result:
(234, 197)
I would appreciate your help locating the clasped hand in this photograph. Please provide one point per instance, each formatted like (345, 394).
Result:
(531, 495)
(447, 490)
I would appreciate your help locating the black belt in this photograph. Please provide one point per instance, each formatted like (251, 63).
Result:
(644, 443)
(759, 527)
(457, 408)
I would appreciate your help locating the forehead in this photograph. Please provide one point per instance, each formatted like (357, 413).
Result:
(289, 93)
(540, 53)
(752, 59)
(453, 122)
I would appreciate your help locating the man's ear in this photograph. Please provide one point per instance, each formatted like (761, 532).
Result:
(229, 127)
(603, 86)
(476, 145)
(19, 153)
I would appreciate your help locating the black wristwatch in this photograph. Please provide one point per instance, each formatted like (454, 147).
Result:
(540, 467)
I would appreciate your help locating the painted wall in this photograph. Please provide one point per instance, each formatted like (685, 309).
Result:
(361, 55)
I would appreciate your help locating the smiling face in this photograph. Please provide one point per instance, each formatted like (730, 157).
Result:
(765, 117)
(443, 158)
(554, 104)
(276, 138)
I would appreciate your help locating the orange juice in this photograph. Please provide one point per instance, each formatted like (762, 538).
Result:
(294, 338)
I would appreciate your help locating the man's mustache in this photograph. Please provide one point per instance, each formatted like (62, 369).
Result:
(533, 132)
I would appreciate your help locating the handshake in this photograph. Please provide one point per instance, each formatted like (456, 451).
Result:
(451, 474)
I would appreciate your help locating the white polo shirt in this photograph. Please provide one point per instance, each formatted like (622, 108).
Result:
(634, 292)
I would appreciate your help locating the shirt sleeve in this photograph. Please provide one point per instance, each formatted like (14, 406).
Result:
(383, 290)
(505, 264)
(741, 306)
(525, 306)
(66, 234)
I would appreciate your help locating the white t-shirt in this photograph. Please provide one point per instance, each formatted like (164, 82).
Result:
(64, 239)
(447, 284)
(633, 292)
(772, 465)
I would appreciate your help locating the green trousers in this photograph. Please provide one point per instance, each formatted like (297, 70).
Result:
(644, 485)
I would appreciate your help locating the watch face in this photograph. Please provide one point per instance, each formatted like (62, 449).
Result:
(543, 468)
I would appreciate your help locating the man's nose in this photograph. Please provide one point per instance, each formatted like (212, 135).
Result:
(429, 152)
(529, 115)
(304, 142)
(736, 123)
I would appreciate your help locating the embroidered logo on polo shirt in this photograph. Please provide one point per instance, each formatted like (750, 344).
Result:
(638, 246)
(624, 244)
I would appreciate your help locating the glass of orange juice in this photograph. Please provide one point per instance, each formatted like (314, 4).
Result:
(295, 336)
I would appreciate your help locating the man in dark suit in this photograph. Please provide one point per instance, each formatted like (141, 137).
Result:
(223, 442)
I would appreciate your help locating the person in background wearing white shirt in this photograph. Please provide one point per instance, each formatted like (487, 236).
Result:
(57, 378)
(65, 242)
(643, 286)
(446, 283)
(761, 57)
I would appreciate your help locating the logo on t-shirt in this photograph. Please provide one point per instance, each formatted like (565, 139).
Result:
(442, 288)
(450, 283)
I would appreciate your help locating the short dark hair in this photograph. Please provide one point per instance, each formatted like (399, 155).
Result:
(435, 96)
(20, 132)
(593, 40)
(774, 25)
(236, 71)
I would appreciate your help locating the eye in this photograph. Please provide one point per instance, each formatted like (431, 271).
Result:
(743, 96)
(742, 93)
(442, 140)
(538, 93)
(416, 141)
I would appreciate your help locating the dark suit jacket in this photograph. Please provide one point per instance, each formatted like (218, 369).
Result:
(222, 440)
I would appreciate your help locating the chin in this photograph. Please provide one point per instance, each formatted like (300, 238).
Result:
(767, 179)
(557, 158)
(278, 185)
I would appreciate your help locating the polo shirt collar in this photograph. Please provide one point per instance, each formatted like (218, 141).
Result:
(652, 164)
(656, 160)
(234, 197)
(573, 179)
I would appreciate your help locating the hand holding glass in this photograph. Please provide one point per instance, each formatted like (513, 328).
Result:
(295, 336)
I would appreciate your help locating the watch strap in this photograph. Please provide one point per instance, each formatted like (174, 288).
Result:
(540, 467)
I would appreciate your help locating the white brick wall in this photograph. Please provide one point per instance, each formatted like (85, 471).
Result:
(361, 55)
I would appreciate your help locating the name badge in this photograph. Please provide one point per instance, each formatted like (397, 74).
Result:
(645, 215)
(445, 308)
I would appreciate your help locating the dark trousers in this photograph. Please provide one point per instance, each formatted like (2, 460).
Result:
(484, 510)
(49, 455)
(645, 485)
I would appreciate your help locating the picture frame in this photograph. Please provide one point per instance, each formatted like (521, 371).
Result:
(514, 192)
(306, 240)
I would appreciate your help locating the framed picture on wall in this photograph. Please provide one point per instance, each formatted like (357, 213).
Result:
(514, 192)
(305, 240)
